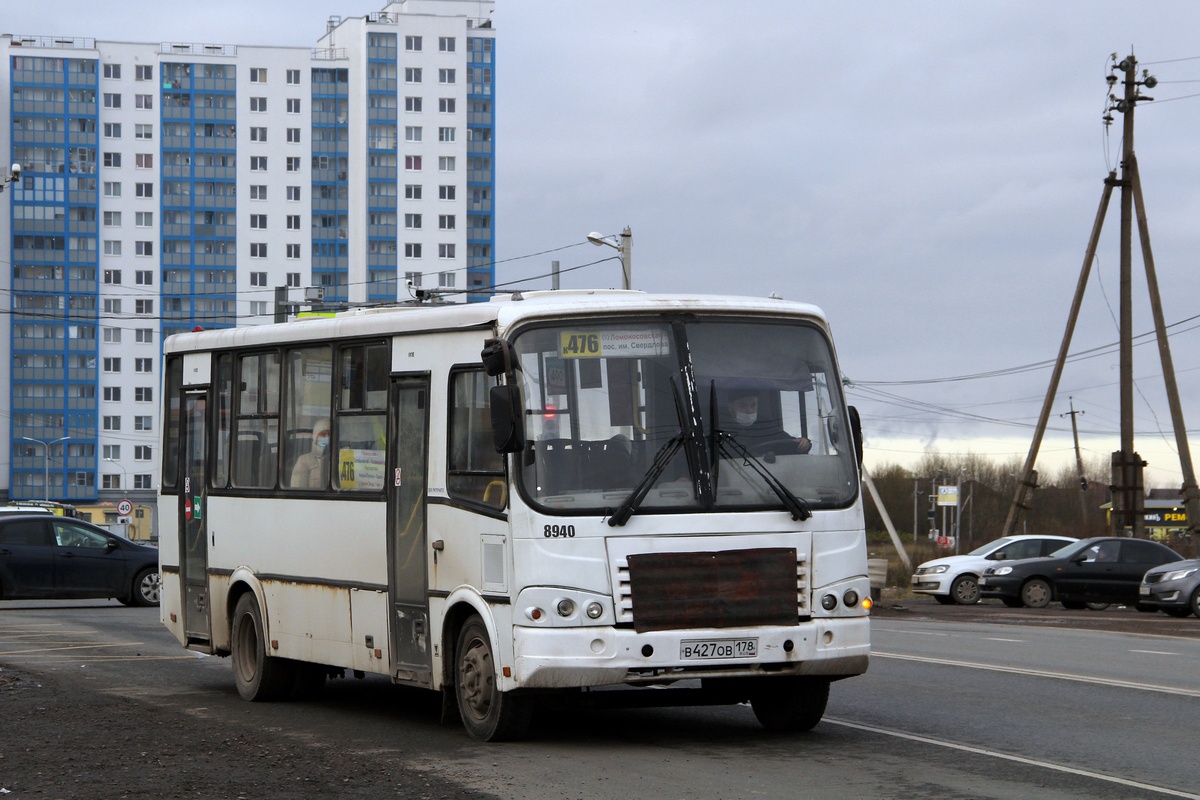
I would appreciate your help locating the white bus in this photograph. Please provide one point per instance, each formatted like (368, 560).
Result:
(554, 493)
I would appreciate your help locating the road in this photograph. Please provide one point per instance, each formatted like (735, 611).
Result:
(952, 706)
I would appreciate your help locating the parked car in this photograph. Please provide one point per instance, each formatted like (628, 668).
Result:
(48, 556)
(1099, 570)
(1173, 588)
(954, 579)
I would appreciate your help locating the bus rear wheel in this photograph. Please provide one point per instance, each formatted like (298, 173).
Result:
(488, 714)
(789, 704)
(258, 676)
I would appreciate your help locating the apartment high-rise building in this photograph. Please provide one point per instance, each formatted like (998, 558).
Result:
(171, 185)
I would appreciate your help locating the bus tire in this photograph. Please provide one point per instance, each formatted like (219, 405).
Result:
(789, 705)
(258, 676)
(488, 714)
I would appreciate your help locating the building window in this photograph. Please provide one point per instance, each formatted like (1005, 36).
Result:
(112, 335)
(446, 192)
(293, 77)
(412, 222)
(293, 194)
(143, 365)
(143, 219)
(412, 250)
(112, 423)
(145, 101)
(258, 163)
(258, 104)
(445, 251)
(141, 423)
(258, 279)
(258, 134)
(446, 105)
(293, 279)
(144, 248)
(412, 133)
(144, 277)
(293, 135)
(112, 364)
(258, 75)
(110, 481)
(144, 189)
(258, 249)
(144, 160)
(258, 192)
(446, 222)
(446, 44)
(445, 163)
(412, 104)
(258, 221)
(143, 306)
(142, 452)
(293, 222)
(112, 394)
(258, 308)
(143, 72)
(412, 191)
(293, 163)
(144, 336)
(112, 130)
(111, 451)
(446, 76)
(412, 74)
(445, 134)
(112, 100)
(143, 131)
(412, 44)
(112, 276)
(112, 159)
(112, 188)
(293, 105)
(112, 305)
(141, 480)
(412, 278)
(112, 247)
(412, 163)
(112, 71)
(143, 394)
(446, 280)
(293, 251)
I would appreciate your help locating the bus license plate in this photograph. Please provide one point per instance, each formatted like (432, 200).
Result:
(700, 649)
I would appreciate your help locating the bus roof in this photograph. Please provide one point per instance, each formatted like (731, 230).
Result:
(501, 313)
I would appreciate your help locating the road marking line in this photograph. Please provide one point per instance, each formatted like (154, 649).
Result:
(1039, 673)
(910, 633)
(1018, 759)
(1156, 652)
(998, 639)
(72, 647)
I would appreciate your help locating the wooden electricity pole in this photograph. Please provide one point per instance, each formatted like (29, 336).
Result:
(1128, 497)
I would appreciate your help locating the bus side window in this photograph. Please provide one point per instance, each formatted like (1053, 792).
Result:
(474, 463)
(257, 439)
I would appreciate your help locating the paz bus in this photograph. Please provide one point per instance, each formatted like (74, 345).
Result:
(540, 495)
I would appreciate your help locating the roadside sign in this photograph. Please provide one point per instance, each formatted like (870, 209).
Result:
(124, 508)
(947, 495)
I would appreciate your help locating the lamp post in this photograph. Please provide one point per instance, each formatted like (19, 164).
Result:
(124, 474)
(46, 462)
(623, 246)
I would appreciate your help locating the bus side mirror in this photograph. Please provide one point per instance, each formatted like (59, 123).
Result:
(496, 357)
(508, 418)
(856, 434)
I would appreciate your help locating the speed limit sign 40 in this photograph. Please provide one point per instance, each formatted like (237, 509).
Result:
(124, 508)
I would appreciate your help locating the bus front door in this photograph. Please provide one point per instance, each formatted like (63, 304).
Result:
(407, 573)
(193, 513)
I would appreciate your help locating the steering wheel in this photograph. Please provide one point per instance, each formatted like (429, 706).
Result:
(781, 445)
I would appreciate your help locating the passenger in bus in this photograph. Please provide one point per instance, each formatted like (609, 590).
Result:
(312, 468)
(757, 434)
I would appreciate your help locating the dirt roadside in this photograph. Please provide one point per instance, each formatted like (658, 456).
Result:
(57, 741)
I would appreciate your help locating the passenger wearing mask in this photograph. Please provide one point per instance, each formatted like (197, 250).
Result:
(760, 435)
(312, 469)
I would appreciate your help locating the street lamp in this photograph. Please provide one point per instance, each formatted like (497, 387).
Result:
(14, 176)
(624, 246)
(46, 446)
(124, 475)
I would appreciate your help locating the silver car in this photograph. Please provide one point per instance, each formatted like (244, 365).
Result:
(1174, 588)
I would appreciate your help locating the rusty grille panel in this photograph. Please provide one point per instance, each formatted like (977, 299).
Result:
(725, 589)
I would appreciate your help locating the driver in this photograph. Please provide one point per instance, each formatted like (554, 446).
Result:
(755, 433)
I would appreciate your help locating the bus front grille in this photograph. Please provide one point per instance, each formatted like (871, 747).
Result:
(722, 589)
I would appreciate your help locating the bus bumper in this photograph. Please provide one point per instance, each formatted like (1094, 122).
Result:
(602, 656)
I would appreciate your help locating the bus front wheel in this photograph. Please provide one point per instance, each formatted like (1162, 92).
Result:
(488, 714)
(789, 704)
(257, 675)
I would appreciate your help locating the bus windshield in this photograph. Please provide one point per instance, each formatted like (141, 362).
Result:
(682, 414)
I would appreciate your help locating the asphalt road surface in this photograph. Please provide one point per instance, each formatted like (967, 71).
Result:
(98, 701)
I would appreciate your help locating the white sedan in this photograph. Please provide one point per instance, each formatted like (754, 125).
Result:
(954, 579)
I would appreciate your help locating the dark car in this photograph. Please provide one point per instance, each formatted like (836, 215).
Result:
(1173, 588)
(1099, 570)
(47, 556)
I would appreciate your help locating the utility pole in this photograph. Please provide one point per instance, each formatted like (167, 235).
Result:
(1128, 515)
(1078, 462)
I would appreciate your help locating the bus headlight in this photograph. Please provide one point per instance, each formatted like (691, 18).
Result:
(829, 602)
(850, 598)
(595, 610)
(566, 607)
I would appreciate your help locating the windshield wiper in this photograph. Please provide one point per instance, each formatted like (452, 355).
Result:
(799, 509)
(661, 459)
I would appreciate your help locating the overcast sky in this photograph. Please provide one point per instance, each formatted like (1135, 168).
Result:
(926, 172)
